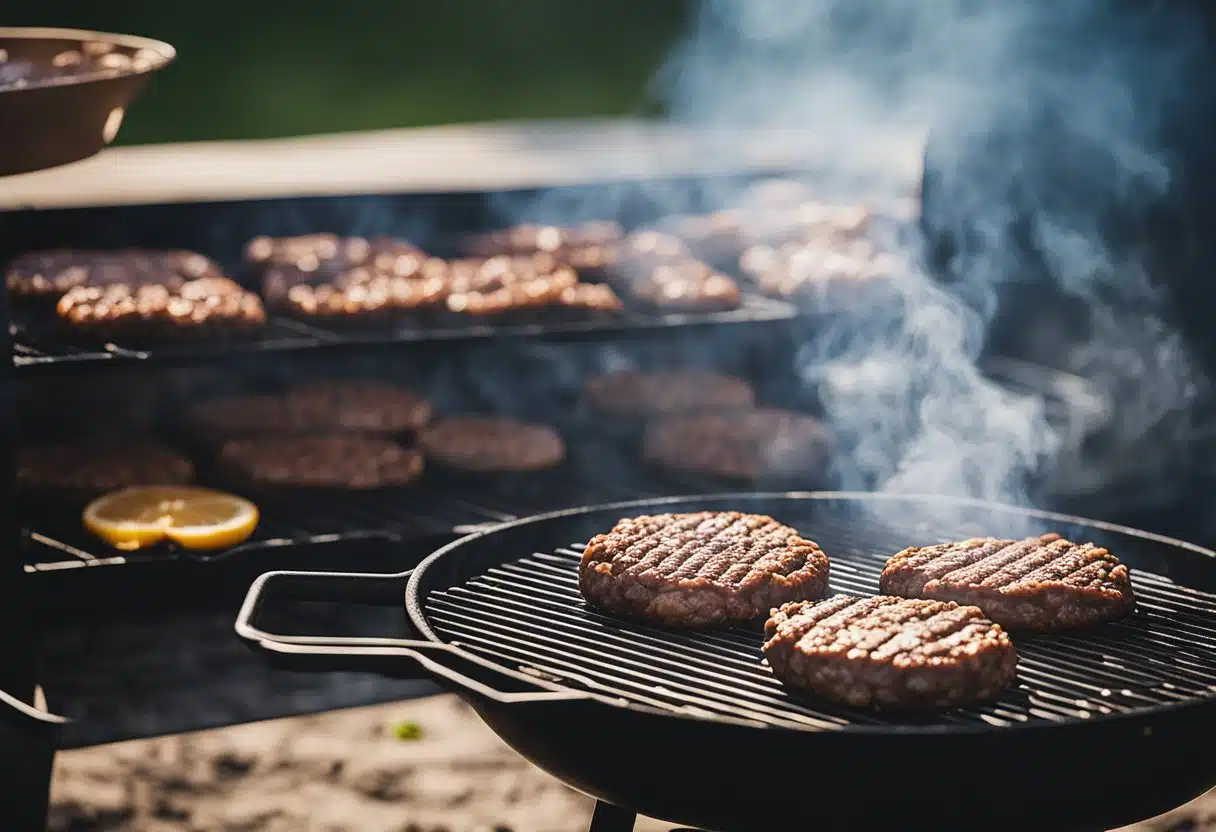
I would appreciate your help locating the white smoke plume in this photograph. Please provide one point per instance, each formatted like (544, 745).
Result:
(1043, 121)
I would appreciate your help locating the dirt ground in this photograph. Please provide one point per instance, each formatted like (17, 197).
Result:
(419, 766)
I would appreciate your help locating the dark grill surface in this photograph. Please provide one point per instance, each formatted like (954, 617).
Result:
(528, 614)
(434, 507)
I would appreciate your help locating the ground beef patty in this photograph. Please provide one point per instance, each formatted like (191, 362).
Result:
(238, 415)
(473, 443)
(700, 569)
(889, 653)
(321, 462)
(739, 445)
(1039, 583)
(637, 394)
(320, 407)
(358, 406)
(85, 468)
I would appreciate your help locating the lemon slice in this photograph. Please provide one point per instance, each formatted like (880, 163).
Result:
(193, 518)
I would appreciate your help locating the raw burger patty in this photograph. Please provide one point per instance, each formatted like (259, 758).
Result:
(85, 467)
(470, 443)
(321, 462)
(629, 394)
(1040, 583)
(889, 653)
(700, 569)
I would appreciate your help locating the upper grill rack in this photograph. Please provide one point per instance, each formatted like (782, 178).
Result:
(528, 614)
(38, 345)
(440, 222)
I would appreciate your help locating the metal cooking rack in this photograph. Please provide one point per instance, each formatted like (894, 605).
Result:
(435, 507)
(52, 539)
(528, 614)
(37, 347)
(221, 229)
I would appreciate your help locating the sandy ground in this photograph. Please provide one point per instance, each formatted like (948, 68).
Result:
(346, 771)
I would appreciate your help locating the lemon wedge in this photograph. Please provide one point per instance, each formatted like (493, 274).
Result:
(193, 518)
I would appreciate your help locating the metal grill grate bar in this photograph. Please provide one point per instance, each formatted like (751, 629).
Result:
(39, 343)
(433, 507)
(529, 614)
(671, 660)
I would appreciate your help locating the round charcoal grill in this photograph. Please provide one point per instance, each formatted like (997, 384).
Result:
(1103, 727)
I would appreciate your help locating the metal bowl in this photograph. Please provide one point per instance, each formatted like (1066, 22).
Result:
(53, 121)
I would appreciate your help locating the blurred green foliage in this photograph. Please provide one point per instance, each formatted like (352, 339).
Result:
(249, 69)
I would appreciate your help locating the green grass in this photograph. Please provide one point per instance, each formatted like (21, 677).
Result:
(253, 70)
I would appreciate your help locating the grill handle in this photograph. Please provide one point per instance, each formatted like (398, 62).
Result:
(28, 721)
(400, 658)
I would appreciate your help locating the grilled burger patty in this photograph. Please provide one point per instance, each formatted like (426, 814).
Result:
(1039, 583)
(473, 443)
(52, 274)
(348, 462)
(628, 393)
(700, 569)
(889, 653)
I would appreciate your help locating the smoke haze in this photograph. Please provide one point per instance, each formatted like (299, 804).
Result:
(1044, 122)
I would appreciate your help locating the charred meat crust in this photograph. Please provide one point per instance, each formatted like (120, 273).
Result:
(324, 276)
(135, 294)
(530, 238)
(202, 308)
(338, 279)
(700, 569)
(1040, 584)
(889, 653)
(51, 274)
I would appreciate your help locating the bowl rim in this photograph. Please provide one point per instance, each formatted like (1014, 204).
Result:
(166, 52)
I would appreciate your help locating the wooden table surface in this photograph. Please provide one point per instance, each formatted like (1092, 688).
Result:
(453, 158)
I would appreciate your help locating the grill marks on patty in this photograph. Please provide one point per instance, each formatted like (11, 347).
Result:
(700, 569)
(889, 653)
(1038, 583)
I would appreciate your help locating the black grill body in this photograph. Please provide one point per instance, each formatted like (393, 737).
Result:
(1103, 728)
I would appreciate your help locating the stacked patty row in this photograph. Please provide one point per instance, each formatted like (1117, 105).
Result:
(338, 434)
(780, 241)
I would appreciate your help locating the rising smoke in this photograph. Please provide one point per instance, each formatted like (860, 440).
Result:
(1044, 120)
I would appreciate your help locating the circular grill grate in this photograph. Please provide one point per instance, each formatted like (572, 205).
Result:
(527, 613)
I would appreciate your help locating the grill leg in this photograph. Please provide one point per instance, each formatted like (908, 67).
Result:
(610, 818)
(25, 771)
